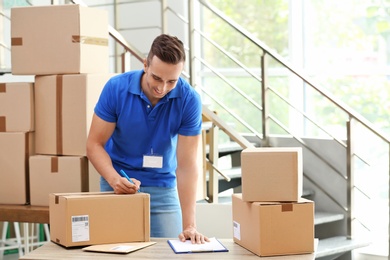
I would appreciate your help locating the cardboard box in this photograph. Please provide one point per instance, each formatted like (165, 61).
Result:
(274, 228)
(56, 174)
(271, 174)
(15, 149)
(16, 107)
(59, 39)
(64, 106)
(80, 219)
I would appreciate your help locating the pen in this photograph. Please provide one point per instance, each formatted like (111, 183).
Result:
(123, 174)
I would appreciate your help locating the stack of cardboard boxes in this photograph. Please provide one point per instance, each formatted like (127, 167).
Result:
(270, 217)
(45, 123)
(44, 126)
(16, 141)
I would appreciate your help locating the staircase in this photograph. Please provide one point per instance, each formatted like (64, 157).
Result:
(328, 161)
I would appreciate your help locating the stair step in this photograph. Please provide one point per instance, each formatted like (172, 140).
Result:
(326, 217)
(307, 193)
(5, 71)
(338, 245)
(226, 148)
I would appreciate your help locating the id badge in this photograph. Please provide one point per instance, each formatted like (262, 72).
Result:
(152, 161)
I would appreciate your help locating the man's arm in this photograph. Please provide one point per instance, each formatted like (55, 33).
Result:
(100, 131)
(187, 172)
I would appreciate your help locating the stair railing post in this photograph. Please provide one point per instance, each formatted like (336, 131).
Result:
(213, 158)
(191, 38)
(164, 23)
(125, 61)
(264, 104)
(2, 54)
(388, 189)
(350, 176)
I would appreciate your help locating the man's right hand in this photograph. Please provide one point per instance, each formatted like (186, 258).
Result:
(122, 186)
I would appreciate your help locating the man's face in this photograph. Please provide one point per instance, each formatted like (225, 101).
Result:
(160, 78)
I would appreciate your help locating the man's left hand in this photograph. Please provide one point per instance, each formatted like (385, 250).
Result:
(192, 234)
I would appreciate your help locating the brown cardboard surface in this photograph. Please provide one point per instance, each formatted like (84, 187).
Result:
(272, 174)
(15, 149)
(121, 248)
(99, 218)
(274, 228)
(16, 107)
(59, 39)
(56, 174)
(63, 111)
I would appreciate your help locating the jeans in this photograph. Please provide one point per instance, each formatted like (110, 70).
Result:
(165, 211)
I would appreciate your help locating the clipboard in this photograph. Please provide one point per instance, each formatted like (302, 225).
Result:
(120, 248)
(187, 247)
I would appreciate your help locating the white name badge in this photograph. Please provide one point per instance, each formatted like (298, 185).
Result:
(152, 161)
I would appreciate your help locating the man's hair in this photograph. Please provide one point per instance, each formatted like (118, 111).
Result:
(168, 49)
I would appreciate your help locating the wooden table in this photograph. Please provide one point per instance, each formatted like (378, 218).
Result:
(160, 250)
(24, 214)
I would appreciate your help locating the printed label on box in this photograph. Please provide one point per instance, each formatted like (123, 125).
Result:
(80, 228)
(236, 230)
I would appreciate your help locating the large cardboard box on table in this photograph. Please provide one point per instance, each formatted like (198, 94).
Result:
(90, 218)
(15, 149)
(56, 174)
(274, 228)
(272, 174)
(59, 39)
(16, 107)
(64, 106)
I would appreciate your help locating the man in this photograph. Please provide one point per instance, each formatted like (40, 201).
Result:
(147, 124)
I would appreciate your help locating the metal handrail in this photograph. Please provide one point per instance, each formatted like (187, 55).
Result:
(306, 116)
(122, 41)
(232, 114)
(227, 54)
(211, 116)
(239, 91)
(295, 71)
(4, 46)
(5, 16)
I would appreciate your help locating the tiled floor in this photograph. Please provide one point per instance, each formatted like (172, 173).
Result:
(10, 257)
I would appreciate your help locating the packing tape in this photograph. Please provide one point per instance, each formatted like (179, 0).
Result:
(89, 40)
(16, 41)
(287, 207)
(54, 164)
(84, 174)
(2, 118)
(59, 81)
(2, 124)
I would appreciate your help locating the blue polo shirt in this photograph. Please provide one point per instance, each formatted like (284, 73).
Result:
(145, 130)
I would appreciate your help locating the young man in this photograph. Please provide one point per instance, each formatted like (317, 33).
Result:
(147, 123)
